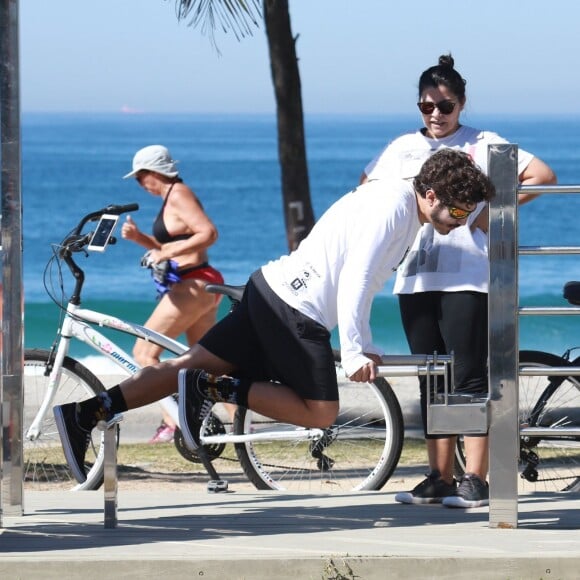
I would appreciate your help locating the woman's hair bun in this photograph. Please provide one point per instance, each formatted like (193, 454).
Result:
(446, 60)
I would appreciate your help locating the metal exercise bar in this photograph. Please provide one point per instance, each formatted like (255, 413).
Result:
(548, 250)
(549, 371)
(548, 189)
(410, 370)
(555, 433)
(413, 365)
(110, 484)
(549, 310)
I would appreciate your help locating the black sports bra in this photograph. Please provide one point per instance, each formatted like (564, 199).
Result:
(160, 232)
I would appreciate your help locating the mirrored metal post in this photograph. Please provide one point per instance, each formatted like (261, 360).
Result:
(503, 337)
(2, 435)
(12, 296)
(110, 430)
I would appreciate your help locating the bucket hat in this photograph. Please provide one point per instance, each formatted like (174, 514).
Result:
(154, 158)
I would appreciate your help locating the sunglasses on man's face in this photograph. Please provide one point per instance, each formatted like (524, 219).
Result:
(445, 107)
(458, 213)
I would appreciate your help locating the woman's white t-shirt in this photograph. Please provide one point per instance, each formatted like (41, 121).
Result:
(453, 262)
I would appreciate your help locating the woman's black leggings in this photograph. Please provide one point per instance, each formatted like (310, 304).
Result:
(446, 322)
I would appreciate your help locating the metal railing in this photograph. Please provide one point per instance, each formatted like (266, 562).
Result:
(504, 312)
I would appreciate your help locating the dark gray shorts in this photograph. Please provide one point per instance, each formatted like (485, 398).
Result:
(268, 340)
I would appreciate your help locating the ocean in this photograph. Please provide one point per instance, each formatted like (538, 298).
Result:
(73, 164)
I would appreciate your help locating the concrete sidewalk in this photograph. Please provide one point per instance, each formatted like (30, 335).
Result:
(181, 531)
(269, 535)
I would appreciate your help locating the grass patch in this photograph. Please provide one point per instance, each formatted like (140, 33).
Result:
(414, 452)
(164, 457)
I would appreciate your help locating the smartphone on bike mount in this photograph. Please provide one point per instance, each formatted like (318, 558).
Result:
(103, 233)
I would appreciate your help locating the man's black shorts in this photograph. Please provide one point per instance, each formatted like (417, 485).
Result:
(268, 340)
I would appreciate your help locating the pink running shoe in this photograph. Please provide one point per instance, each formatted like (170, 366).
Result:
(164, 434)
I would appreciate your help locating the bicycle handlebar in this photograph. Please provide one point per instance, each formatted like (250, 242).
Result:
(77, 242)
(112, 209)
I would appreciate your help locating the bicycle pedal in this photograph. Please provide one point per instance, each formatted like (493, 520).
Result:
(217, 485)
(104, 425)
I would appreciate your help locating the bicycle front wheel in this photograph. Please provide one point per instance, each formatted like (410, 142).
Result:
(45, 466)
(359, 452)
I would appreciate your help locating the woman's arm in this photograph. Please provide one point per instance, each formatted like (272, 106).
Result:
(536, 173)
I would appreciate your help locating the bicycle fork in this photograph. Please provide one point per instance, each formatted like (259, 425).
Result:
(53, 370)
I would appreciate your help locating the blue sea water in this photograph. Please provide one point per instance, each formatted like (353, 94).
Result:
(73, 163)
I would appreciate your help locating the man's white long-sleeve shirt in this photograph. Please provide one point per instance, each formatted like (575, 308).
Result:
(353, 249)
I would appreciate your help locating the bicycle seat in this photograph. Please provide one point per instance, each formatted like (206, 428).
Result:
(572, 292)
(233, 292)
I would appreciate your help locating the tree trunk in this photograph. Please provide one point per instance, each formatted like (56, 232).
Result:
(298, 213)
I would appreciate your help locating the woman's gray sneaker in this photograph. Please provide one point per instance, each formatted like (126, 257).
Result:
(472, 492)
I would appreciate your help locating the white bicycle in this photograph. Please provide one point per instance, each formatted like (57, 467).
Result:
(359, 452)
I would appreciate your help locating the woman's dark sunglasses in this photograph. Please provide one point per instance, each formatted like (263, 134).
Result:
(445, 107)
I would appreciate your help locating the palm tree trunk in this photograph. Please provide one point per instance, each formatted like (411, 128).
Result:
(298, 213)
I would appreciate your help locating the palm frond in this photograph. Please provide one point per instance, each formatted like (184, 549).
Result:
(239, 16)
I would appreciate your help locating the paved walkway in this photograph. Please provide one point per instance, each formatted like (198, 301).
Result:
(269, 535)
(180, 531)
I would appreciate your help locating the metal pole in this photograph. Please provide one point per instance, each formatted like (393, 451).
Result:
(2, 434)
(503, 338)
(110, 473)
(11, 241)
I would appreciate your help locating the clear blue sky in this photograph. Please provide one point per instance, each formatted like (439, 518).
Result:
(361, 56)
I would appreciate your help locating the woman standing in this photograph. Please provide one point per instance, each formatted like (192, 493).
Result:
(182, 234)
(443, 282)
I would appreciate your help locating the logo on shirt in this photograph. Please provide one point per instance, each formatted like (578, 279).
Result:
(296, 284)
(300, 283)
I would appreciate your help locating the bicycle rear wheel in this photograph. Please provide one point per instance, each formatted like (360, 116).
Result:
(45, 466)
(359, 452)
(547, 463)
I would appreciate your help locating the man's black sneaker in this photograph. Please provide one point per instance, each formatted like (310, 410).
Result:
(472, 492)
(194, 406)
(433, 489)
(75, 440)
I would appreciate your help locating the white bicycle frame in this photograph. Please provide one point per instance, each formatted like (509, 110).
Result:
(77, 324)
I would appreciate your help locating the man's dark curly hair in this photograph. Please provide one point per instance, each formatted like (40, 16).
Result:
(454, 177)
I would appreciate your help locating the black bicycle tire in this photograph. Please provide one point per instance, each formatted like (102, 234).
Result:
(91, 384)
(380, 473)
(539, 358)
